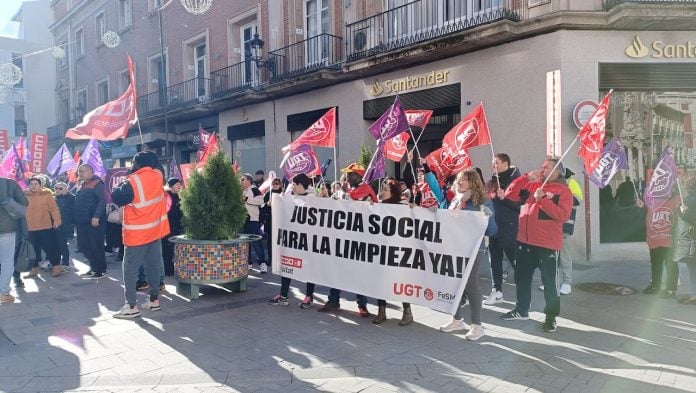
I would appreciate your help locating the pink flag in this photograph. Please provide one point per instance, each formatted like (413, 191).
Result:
(112, 120)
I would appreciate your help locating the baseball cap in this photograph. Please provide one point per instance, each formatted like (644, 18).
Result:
(354, 167)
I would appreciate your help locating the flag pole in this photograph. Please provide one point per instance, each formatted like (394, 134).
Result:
(558, 163)
(681, 196)
(497, 176)
(335, 163)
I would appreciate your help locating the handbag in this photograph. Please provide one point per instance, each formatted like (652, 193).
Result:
(115, 216)
(24, 256)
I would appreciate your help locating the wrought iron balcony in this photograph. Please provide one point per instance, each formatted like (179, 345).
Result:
(609, 4)
(233, 79)
(424, 20)
(181, 95)
(57, 132)
(323, 51)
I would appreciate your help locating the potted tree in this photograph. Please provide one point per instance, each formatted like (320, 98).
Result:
(211, 250)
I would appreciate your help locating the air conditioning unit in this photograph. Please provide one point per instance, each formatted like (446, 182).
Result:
(362, 39)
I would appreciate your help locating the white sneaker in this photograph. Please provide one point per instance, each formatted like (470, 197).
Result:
(45, 265)
(263, 268)
(474, 333)
(565, 289)
(127, 312)
(495, 298)
(541, 287)
(454, 326)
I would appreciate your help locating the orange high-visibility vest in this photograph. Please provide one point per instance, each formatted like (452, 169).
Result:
(145, 219)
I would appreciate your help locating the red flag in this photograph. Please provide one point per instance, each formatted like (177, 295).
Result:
(418, 117)
(235, 166)
(72, 174)
(592, 135)
(444, 165)
(395, 147)
(471, 131)
(321, 133)
(39, 146)
(112, 120)
(203, 139)
(186, 171)
(211, 149)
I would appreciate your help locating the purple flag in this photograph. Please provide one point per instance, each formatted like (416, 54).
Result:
(302, 159)
(12, 167)
(662, 181)
(392, 123)
(92, 157)
(174, 171)
(61, 162)
(113, 179)
(376, 169)
(613, 158)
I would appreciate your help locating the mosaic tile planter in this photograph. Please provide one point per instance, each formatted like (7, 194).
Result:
(202, 262)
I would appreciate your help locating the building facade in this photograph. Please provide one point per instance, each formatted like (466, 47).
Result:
(529, 61)
(27, 107)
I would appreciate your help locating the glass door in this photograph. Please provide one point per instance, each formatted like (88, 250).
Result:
(249, 71)
(317, 44)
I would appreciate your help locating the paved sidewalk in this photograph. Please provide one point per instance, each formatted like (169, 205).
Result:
(61, 336)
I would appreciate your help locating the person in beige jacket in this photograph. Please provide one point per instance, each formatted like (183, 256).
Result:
(43, 217)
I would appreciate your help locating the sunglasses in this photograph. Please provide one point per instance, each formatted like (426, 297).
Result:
(60, 188)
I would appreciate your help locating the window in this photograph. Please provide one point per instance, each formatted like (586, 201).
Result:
(123, 81)
(79, 43)
(125, 18)
(17, 60)
(200, 68)
(80, 103)
(156, 77)
(317, 24)
(249, 68)
(103, 92)
(100, 25)
(20, 121)
(63, 61)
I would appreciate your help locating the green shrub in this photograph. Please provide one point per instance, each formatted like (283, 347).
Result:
(212, 202)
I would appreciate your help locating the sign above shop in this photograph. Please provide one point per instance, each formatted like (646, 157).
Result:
(659, 49)
(583, 111)
(408, 83)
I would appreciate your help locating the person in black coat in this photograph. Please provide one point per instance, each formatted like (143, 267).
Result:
(66, 204)
(266, 217)
(175, 225)
(506, 218)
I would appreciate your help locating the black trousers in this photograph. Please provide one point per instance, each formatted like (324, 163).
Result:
(661, 257)
(46, 240)
(497, 251)
(529, 258)
(92, 245)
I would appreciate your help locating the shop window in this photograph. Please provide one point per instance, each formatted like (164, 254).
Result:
(248, 146)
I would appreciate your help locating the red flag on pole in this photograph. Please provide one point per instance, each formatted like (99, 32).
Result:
(203, 139)
(112, 120)
(321, 133)
(418, 117)
(444, 165)
(210, 150)
(395, 147)
(72, 174)
(592, 135)
(471, 131)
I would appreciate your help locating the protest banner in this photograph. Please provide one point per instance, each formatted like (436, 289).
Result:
(384, 251)
(112, 180)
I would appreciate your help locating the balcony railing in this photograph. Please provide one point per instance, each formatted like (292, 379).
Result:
(57, 132)
(233, 79)
(324, 51)
(187, 93)
(423, 20)
(609, 4)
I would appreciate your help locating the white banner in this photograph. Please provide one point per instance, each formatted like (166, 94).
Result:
(384, 251)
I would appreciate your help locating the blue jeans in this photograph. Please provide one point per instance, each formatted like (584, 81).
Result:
(254, 228)
(7, 247)
(335, 297)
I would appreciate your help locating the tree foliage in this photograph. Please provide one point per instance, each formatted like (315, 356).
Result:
(212, 202)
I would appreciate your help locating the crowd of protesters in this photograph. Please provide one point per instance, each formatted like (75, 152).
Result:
(530, 221)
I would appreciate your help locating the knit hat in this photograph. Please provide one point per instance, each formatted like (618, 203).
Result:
(146, 158)
(171, 182)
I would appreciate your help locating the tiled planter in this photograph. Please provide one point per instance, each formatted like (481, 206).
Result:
(202, 262)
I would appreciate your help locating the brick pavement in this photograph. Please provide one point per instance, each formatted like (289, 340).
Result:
(61, 337)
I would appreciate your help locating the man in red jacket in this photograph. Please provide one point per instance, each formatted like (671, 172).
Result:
(540, 235)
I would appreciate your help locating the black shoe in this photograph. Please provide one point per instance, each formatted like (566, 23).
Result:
(87, 274)
(162, 288)
(141, 286)
(514, 314)
(667, 294)
(99, 275)
(651, 290)
(329, 306)
(549, 325)
(19, 283)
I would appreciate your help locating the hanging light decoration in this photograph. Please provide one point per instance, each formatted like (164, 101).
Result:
(58, 52)
(111, 39)
(197, 7)
(10, 74)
